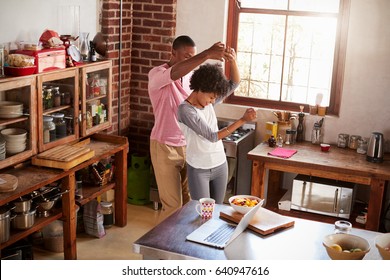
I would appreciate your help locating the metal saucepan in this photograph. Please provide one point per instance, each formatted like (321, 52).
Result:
(24, 220)
(5, 222)
(22, 204)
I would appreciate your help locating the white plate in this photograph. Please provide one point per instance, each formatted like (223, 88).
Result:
(74, 53)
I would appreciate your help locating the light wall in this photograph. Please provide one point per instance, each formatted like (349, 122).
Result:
(26, 20)
(365, 105)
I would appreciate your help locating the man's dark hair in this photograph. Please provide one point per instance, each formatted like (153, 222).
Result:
(211, 79)
(183, 41)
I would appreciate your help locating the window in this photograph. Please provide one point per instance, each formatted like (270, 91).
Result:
(290, 52)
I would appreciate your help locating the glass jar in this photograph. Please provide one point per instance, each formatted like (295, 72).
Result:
(316, 135)
(271, 141)
(55, 91)
(108, 214)
(279, 141)
(362, 146)
(47, 98)
(289, 136)
(342, 227)
(49, 129)
(342, 140)
(60, 125)
(353, 142)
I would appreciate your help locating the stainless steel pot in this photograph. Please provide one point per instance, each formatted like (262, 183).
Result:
(5, 219)
(22, 204)
(24, 220)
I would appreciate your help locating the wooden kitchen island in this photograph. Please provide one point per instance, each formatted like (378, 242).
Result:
(338, 164)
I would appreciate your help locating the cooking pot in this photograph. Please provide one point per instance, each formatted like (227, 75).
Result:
(24, 220)
(22, 204)
(5, 219)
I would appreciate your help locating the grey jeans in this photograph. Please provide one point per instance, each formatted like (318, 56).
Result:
(208, 182)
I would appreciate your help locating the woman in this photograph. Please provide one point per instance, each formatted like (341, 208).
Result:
(206, 160)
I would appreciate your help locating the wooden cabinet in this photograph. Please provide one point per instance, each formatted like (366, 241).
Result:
(30, 91)
(96, 109)
(21, 90)
(66, 85)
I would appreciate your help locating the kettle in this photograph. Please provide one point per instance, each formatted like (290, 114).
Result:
(375, 148)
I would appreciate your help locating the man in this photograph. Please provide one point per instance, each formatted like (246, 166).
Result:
(168, 88)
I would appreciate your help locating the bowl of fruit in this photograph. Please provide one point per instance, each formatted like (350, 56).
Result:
(382, 242)
(342, 246)
(244, 203)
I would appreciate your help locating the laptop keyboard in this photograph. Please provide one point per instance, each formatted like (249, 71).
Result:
(221, 235)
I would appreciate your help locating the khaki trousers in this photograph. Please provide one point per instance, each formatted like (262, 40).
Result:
(169, 164)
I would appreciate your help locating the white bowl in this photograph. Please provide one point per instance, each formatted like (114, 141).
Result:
(347, 242)
(382, 242)
(244, 208)
(12, 133)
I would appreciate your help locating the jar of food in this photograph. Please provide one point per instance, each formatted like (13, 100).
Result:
(49, 129)
(60, 125)
(47, 98)
(353, 142)
(362, 146)
(271, 141)
(56, 96)
(342, 140)
(289, 136)
(108, 214)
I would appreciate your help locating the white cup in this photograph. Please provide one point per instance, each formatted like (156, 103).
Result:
(205, 207)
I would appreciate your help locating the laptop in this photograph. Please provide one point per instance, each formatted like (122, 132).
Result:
(218, 233)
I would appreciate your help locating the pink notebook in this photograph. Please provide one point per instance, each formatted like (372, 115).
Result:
(282, 152)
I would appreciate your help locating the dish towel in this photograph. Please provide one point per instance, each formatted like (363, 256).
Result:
(282, 152)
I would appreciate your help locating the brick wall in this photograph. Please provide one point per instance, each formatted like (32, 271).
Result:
(148, 29)
(110, 27)
(154, 26)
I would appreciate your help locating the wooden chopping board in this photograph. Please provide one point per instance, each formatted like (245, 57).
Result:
(265, 221)
(8, 182)
(64, 156)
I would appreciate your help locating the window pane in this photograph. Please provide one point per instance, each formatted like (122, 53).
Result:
(260, 55)
(265, 4)
(328, 6)
(308, 58)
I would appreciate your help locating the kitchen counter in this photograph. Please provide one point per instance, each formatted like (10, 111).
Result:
(339, 164)
(303, 241)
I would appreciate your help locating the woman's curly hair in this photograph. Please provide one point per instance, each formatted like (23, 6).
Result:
(211, 79)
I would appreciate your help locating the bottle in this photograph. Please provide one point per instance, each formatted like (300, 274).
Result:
(271, 141)
(92, 52)
(279, 141)
(108, 214)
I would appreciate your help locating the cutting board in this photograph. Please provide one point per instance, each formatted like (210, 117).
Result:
(64, 156)
(8, 182)
(265, 221)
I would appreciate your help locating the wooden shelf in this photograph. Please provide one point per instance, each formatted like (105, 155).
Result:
(91, 192)
(40, 222)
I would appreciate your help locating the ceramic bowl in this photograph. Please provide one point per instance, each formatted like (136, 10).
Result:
(325, 147)
(244, 203)
(14, 133)
(341, 246)
(382, 242)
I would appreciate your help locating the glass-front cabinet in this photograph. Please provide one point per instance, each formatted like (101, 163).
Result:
(17, 120)
(95, 97)
(58, 108)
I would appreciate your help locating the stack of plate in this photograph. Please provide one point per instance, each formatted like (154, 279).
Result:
(10, 109)
(2, 148)
(16, 140)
